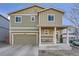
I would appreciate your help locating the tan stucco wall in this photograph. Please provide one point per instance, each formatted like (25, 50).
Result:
(43, 20)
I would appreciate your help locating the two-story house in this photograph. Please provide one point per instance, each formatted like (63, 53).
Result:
(40, 26)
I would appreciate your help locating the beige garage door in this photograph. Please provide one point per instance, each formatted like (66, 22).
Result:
(25, 39)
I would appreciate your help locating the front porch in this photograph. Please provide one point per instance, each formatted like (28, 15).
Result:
(51, 38)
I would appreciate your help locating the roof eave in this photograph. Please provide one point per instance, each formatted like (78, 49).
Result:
(49, 9)
(24, 9)
(4, 17)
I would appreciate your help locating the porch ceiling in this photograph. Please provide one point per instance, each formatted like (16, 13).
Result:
(59, 27)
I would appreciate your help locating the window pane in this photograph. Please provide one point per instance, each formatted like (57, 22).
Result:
(50, 17)
(18, 19)
(33, 18)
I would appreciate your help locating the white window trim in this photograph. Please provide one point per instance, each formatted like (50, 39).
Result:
(31, 18)
(52, 15)
(20, 21)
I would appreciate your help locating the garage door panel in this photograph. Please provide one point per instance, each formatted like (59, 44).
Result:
(25, 39)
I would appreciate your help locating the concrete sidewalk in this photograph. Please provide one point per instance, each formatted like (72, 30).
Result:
(73, 52)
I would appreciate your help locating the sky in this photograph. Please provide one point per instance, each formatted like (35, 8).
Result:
(6, 8)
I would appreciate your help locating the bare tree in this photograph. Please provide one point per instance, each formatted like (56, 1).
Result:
(73, 16)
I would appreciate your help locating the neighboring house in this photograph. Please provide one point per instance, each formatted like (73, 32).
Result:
(36, 25)
(72, 34)
(4, 28)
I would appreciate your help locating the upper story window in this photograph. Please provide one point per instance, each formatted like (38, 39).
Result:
(18, 19)
(33, 18)
(51, 17)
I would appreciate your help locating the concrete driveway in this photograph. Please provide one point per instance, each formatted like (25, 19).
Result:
(18, 50)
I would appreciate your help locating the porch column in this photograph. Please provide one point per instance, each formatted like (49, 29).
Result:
(39, 35)
(67, 36)
(54, 39)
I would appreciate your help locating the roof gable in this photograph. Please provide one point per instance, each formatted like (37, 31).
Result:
(25, 9)
(59, 10)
